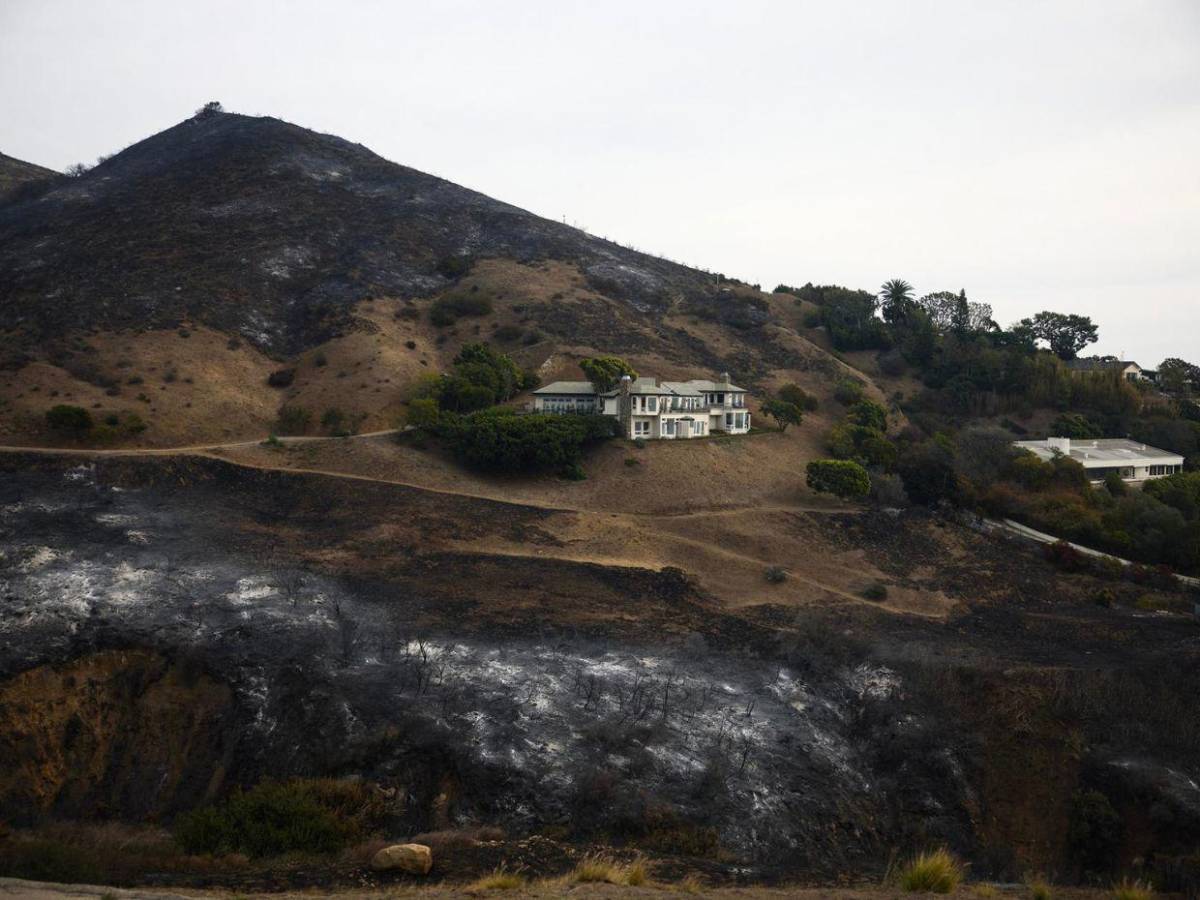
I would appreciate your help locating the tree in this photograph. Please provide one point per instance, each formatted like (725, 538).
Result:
(77, 169)
(850, 318)
(798, 396)
(211, 108)
(839, 477)
(927, 471)
(422, 412)
(1065, 334)
(783, 412)
(1176, 376)
(604, 372)
(896, 299)
(71, 420)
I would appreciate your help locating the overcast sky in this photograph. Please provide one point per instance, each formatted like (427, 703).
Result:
(1040, 153)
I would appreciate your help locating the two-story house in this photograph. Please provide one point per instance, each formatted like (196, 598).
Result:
(647, 409)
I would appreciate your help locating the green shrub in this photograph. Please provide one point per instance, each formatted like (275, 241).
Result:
(776, 575)
(454, 266)
(481, 377)
(70, 420)
(279, 817)
(448, 309)
(501, 440)
(333, 420)
(798, 397)
(841, 478)
(281, 378)
(937, 872)
(783, 412)
(848, 391)
(877, 592)
(422, 413)
(292, 420)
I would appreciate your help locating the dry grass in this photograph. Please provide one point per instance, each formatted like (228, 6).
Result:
(690, 885)
(936, 872)
(1125, 889)
(1039, 888)
(499, 880)
(606, 870)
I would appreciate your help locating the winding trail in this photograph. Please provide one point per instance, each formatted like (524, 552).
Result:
(212, 451)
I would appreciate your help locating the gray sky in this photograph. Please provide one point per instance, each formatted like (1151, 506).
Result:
(1040, 153)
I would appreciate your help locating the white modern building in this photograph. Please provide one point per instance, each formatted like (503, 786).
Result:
(650, 410)
(1132, 460)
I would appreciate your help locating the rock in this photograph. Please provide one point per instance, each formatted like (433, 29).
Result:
(415, 859)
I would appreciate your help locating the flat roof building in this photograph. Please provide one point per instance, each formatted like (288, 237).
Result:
(1132, 460)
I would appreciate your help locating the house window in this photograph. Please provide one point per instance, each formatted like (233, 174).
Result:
(720, 399)
(669, 428)
(641, 429)
(728, 420)
(652, 404)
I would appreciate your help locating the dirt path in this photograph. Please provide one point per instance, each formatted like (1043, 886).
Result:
(213, 451)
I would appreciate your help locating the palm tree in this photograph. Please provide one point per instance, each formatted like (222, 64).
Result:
(896, 296)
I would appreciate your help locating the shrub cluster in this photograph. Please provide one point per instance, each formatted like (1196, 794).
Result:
(479, 377)
(307, 816)
(504, 441)
(448, 309)
(842, 478)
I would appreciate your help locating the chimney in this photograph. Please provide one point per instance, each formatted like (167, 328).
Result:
(1061, 444)
(625, 405)
(724, 378)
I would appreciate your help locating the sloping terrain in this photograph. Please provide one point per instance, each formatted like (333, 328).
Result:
(505, 663)
(169, 281)
(16, 172)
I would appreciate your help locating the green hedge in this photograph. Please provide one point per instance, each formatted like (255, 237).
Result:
(501, 440)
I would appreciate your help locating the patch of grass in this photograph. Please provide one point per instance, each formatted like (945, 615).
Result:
(499, 880)
(596, 869)
(1126, 889)
(690, 885)
(935, 872)
(1039, 888)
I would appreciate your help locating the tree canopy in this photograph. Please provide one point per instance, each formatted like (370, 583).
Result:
(605, 371)
(1064, 334)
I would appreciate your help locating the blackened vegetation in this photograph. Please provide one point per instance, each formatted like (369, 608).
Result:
(332, 639)
(255, 226)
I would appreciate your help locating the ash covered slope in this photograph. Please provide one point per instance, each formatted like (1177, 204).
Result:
(260, 227)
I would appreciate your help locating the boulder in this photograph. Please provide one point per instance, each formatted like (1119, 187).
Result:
(415, 859)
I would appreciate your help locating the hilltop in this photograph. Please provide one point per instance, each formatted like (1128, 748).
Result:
(171, 279)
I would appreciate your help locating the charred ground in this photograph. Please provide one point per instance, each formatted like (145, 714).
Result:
(177, 627)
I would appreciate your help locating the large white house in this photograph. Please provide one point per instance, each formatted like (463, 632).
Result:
(1132, 460)
(647, 409)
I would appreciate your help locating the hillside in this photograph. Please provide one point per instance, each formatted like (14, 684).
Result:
(174, 277)
(16, 172)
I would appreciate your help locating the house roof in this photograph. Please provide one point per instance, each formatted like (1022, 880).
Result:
(1099, 364)
(682, 388)
(702, 384)
(644, 385)
(568, 387)
(1106, 452)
